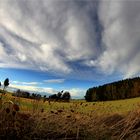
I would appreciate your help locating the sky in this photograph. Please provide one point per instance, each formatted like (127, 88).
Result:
(52, 45)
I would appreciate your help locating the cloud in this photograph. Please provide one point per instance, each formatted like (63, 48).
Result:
(75, 92)
(26, 83)
(32, 88)
(46, 35)
(120, 38)
(67, 37)
(54, 81)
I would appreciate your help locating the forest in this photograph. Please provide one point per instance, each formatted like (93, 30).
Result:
(128, 88)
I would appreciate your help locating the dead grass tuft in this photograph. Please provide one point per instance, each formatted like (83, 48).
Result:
(69, 125)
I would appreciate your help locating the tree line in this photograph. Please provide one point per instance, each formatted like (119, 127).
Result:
(26, 94)
(123, 89)
(60, 96)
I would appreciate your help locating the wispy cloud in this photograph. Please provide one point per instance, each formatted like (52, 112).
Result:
(31, 88)
(54, 81)
(45, 35)
(75, 92)
(63, 36)
(120, 38)
(25, 83)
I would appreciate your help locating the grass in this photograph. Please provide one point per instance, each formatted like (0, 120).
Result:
(108, 107)
(74, 120)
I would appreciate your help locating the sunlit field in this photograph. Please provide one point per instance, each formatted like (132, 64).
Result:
(77, 119)
(79, 106)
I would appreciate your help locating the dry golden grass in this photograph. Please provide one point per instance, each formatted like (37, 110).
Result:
(66, 121)
(62, 124)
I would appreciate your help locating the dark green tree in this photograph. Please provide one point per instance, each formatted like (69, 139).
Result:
(6, 83)
(59, 94)
(122, 89)
(90, 95)
(44, 98)
(66, 96)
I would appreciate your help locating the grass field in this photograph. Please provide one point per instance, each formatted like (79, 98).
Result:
(76, 119)
(81, 106)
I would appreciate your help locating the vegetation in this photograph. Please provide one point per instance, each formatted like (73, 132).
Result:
(33, 117)
(60, 96)
(128, 88)
(26, 94)
(6, 83)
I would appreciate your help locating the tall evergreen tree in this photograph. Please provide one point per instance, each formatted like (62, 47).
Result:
(6, 83)
(114, 91)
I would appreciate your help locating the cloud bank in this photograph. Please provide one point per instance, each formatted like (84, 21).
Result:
(121, 37)
(54, 81)
(65, 36)
(75, 92)
(26, 83)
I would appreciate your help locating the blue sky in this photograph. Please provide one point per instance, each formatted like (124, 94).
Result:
(71, 45)
(45, 82)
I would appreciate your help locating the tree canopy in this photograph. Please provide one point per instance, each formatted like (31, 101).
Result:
(128, 88)
(6, 83)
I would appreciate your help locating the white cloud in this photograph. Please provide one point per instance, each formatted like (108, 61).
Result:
(54, 81)
(120, 38)
(26, 83)
(45, 35)
(32, 88)
(81, 44)
(55, 36)
(77, 92)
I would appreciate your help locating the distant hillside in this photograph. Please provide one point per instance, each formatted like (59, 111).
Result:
(123, 89)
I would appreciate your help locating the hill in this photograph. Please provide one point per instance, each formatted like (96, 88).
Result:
(128, 88)
(79, 120)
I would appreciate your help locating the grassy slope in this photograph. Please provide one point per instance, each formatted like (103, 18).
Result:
(74, 120)
(108, 107)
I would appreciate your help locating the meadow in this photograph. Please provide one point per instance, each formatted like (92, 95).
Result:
(79, 106)
(76, 119)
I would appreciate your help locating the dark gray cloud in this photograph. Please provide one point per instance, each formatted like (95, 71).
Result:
(121, 37)
(65, 36)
